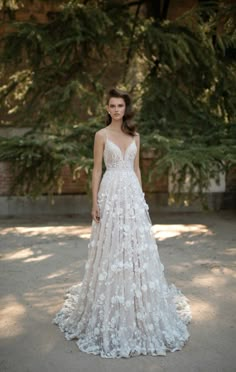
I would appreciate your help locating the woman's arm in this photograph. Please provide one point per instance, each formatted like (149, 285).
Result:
(97, 172)
(136, 160)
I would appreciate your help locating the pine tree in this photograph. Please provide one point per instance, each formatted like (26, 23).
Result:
(181, 73)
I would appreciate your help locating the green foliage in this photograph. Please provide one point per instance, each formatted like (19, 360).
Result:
(188, 101)
(59, 57)
(182, 75)
(38, 158)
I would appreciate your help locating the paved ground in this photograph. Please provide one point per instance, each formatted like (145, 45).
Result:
(40, 259)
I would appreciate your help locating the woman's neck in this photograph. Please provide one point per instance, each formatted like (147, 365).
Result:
(116, 126)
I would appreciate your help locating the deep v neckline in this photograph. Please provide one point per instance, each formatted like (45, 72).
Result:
(121, 152)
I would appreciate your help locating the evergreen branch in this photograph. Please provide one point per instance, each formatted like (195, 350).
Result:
(129, 53)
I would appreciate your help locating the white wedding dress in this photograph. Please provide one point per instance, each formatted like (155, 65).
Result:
(124, 306)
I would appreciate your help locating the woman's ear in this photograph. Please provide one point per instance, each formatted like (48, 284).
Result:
(107, 109)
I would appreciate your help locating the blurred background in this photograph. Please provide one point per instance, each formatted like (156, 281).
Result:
(177, 58)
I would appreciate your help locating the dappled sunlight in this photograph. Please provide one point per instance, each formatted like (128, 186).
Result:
(217, 266)
(208, 262)
(18, 255)
(43, 231)
(208, 280)
(40, 258)
(57, 274)
(26, 255)
(42, 298)
(162, 232)
(39, 301)
(190, 242)
(11, 317)
(74, 268)
(180, 267)
(230, 252)
(202, 310)
(224, 270)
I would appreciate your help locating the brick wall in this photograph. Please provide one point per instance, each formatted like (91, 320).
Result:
(6, 178)
(156, 184)
(33, 10)
(231, 181)
(71, 186)
(178, 7)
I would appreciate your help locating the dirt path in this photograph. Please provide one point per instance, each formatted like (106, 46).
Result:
(40, 259)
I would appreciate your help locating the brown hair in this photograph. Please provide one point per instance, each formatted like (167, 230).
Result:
(127, 126)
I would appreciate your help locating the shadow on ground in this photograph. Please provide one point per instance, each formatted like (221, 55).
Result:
(40, 259)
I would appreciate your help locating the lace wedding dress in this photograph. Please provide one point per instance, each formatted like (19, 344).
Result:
(124, 306)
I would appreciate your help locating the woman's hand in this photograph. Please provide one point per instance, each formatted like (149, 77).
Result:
(95, 213)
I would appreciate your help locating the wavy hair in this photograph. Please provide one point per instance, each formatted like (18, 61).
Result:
(127, 126)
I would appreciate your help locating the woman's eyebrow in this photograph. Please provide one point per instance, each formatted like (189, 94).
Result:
(120, 104)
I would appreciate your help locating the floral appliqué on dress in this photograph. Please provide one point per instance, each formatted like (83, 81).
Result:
(124, 306)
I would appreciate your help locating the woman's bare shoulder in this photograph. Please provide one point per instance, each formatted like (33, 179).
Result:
(100, 134)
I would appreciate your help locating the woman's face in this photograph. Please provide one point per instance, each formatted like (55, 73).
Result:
(116, 108)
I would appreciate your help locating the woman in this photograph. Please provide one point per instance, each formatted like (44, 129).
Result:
(124, 306)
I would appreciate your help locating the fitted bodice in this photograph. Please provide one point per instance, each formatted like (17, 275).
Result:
(115, 159)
